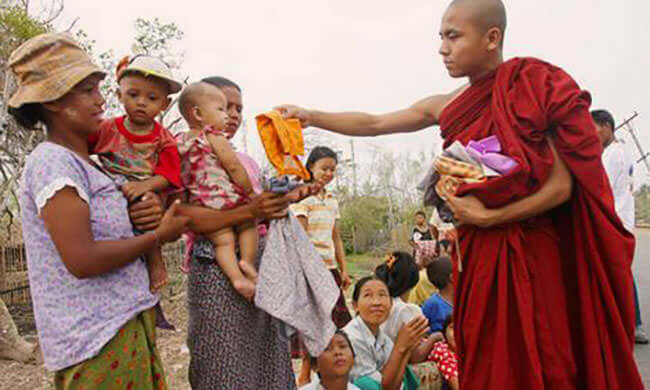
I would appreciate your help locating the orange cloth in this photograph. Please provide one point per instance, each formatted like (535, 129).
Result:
(283, 142)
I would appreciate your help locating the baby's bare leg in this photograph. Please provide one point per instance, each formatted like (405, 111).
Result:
(248, 240)
(157, 269)
(224, 243)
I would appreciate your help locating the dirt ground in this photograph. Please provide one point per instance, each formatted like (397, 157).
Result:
(172, 344)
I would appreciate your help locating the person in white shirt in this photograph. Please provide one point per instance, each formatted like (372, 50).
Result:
(620, 171)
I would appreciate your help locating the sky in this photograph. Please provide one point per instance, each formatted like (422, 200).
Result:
(380, 55)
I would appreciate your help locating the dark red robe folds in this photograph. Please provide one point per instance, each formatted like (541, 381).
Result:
(545, 303)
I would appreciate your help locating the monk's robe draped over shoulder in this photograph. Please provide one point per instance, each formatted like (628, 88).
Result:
(545, 303)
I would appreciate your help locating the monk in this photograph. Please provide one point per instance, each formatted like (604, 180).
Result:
(544, 299)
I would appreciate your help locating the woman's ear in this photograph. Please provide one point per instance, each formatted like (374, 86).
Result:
(54, 106)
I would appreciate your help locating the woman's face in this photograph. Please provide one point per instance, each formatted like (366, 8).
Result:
(82, 108)
(337, 359)
(374, 303)
(324, 170)
(235, 108)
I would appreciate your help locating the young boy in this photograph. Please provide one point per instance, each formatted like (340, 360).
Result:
(138, 152)
(440, 305)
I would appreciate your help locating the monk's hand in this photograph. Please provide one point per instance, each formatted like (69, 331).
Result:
(268, 205)
(146, 214)
(294, 112)
(469, 210)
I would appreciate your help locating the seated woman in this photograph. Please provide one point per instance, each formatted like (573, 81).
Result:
(333, 365)
(380, 364)
(400, 273)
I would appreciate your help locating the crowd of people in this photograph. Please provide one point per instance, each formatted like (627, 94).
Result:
(533, 273)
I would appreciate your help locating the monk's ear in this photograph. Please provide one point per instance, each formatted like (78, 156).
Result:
(494, 38)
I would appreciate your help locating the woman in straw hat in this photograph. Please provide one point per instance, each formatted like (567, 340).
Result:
(92, 303)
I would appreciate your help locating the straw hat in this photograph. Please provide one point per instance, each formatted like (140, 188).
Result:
(47, 67)
(150, 66)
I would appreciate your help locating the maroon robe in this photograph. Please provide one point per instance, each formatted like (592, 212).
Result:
(545, 303)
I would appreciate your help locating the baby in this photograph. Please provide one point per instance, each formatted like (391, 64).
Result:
(216, 177)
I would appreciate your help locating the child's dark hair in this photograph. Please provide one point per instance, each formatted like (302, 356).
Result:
(319, 153)
(439, 271)
(449, 320)
(603, 117)
(28, 115)
(399, 272)
(221, 82)
(420, 212)
(362, 282)
(339, 332)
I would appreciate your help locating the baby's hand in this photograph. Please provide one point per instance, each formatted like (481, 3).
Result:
(135, 189)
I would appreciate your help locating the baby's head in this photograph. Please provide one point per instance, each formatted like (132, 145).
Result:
(145, 84)
(202, 105)
(448, 329)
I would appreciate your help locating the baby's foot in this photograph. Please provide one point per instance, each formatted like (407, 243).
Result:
(157, 275)
(245, 288)
(249, 271)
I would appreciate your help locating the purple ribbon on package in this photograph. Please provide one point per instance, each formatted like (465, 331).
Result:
(486, 152)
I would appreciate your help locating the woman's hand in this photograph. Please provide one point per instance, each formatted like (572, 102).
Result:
(268, 206)
(468, 210)
(171, 226)
(146, 214)
(303, 191)
(411, 333)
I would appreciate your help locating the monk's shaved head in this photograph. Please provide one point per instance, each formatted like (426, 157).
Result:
(193, 94)
(486, 14)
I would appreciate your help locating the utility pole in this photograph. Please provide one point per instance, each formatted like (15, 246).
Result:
(630, 129)
(354, 168)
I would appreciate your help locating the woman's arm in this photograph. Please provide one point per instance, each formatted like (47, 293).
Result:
(556, 190)
(339, 251)
(408, 337)
(67, 220)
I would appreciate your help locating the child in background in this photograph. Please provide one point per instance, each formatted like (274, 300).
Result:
(444, 355)
(136, 151)
(440, 305)
(319, 216)
(216, 177)
(334, 365)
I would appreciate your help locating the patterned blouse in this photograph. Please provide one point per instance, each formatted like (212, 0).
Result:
(75, 317)
(206, 181)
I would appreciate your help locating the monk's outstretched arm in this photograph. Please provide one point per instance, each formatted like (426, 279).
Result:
(419, 116)
(555, 191)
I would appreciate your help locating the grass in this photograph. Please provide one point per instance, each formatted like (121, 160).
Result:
(361, 264)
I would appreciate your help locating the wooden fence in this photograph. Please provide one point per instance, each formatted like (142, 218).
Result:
(14, 284)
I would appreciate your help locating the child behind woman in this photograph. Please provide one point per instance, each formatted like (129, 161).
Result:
(440, 305)
(444, 355)
(138, 152)
(215, 177)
